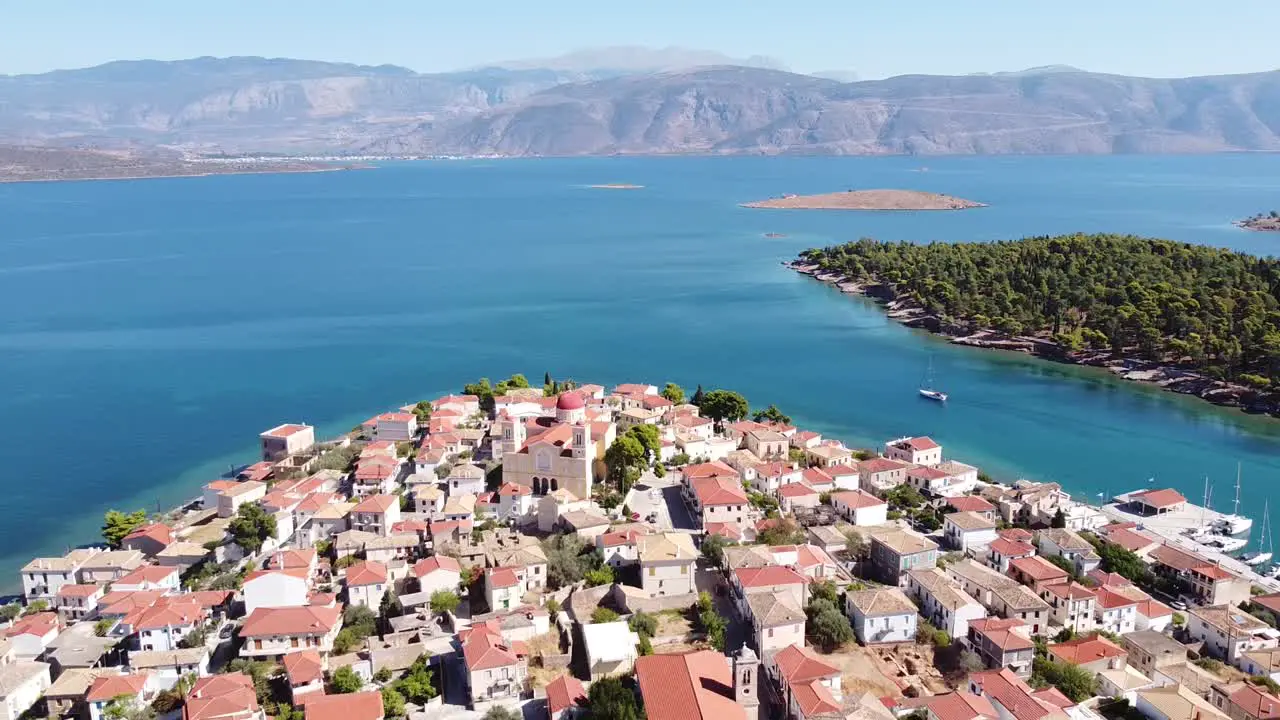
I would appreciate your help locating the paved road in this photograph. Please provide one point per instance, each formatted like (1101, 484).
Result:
(672, 513)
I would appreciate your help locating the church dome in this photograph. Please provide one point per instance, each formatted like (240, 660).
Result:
(570, 401)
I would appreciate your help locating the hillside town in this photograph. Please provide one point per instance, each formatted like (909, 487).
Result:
(572, 551)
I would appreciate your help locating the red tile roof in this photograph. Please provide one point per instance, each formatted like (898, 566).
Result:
(880, 464)
(366, 573)
(159, 532)
(78, 591)
(856, 499)
(689, 686)
(1132, 540)
(169, 614)
(1163, 498)
(1256, 702)
(37, 624)
(221, 697)
(501, 577)
(1071, 591)
(1054, 697)
(920, 443)
(396, 417)
(713, 491)
(308, 620)
(282, 559)
(110, 687)
(961, 706)
(1011, 548)
(711, 469)
(512, 489)
(1082, 651)
(1108, 598)
(1007, 689)
(794, 490)
(1179, 560)
(354, 706)
(1000, 632)
(484, 649)
(970, 503)
(768, 576)
(1037, 568)
(563, 693)
(730, 530)
(376, 504)
(426, 566)
(153, 574)
(1102, 578)
(797, 664)
(1016, 534)
(304, 667)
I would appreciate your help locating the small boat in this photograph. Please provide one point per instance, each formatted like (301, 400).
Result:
(1235, 523)
(1223, 543)
(1263, 554)
(926, 389)
(1273, 572)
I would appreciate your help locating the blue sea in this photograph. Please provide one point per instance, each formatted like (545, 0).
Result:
(150, 329)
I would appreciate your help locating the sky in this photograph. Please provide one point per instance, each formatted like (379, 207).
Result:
(1157, 38)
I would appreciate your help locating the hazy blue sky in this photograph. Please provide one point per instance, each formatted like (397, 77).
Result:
(875, 39)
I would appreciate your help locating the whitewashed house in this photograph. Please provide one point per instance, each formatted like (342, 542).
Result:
(881, 615)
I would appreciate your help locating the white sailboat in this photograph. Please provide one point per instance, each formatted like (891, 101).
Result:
(927, 390)
(1223, 543)
(1235, 523)
(1263, 553)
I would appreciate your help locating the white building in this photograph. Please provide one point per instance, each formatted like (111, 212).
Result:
(914, 450)
(860, 508)
(43, 577)
(667, 563)
(272, 633)
(438, 572)
(1071, 605)
(1115, 611)
(367, 584)
(275, 588)
(396, 426)
(777, 621)
(611, 648)
(1067, 544)
(943, 604)
(282, 441)
(965, 530)
(881, 616)
(22, 683)
(1228, 632)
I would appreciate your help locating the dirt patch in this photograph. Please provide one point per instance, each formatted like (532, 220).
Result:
(860, 672)
(673, 623)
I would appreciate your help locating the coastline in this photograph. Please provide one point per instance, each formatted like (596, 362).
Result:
(880, 200)
(1173, 379)
(162, 176)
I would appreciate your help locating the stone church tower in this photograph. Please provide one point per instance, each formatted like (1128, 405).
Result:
(746, 671)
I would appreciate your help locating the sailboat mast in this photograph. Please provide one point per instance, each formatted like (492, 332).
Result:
(1236, 509)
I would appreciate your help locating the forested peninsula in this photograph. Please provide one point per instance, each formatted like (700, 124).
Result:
(1194, 319)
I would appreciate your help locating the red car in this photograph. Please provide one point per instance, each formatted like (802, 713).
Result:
(635, 516)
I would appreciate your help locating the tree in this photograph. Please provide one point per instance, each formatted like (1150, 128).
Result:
(251, 527)
(103, 626)
(724, 405)
(392, 703)
(698, 397)
(713, 549)
(345, 681)
(824, 590)
(602, 575)
(568, 559)
(624, 453)
(603, 615)
(782, 532)
(649, 438)
(856, 545)
(422, 411)
(117, 525)
(971, 662)
(125, 708)
(383, 675)
(10, 611)
(390, 606)
(827, 626)
(609, 699)
(444, 601)
(771, 414)
(36, 606)
(643, 624)
(501, 712)
(1073, 681)
(904, 496)
(417, 686)
(674, 393)
(1059, 519)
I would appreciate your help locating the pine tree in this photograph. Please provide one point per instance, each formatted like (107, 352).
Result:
(697, 396)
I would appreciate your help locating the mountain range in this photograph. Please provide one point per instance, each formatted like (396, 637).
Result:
(626, 102)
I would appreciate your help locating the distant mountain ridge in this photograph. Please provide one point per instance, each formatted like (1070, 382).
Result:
(248, 105)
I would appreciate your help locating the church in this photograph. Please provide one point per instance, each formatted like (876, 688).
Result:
(549, 453)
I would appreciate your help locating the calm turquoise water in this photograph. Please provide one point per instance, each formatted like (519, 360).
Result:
(150, 329)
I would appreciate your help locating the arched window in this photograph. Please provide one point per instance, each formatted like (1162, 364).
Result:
(555, 484)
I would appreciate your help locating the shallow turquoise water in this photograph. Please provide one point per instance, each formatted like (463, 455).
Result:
(150, 329)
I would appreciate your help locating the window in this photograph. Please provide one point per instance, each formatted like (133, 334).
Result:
(770, 632)
(653, 571)
(684, 569)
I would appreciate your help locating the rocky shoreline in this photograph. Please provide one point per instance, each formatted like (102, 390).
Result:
(1260, 223)
(1218, 392)
(900, 200)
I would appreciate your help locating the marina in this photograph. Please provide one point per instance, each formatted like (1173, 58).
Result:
(1187, 526)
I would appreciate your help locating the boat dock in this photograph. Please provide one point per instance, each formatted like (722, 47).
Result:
(1172, 527)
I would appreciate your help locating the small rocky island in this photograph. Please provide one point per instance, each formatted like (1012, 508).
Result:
(1267, 222)
(617, 186)
(867, 200)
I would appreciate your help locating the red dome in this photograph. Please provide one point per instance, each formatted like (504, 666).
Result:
(570, 401)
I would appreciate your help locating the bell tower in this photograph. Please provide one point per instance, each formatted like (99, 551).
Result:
(746, 667)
